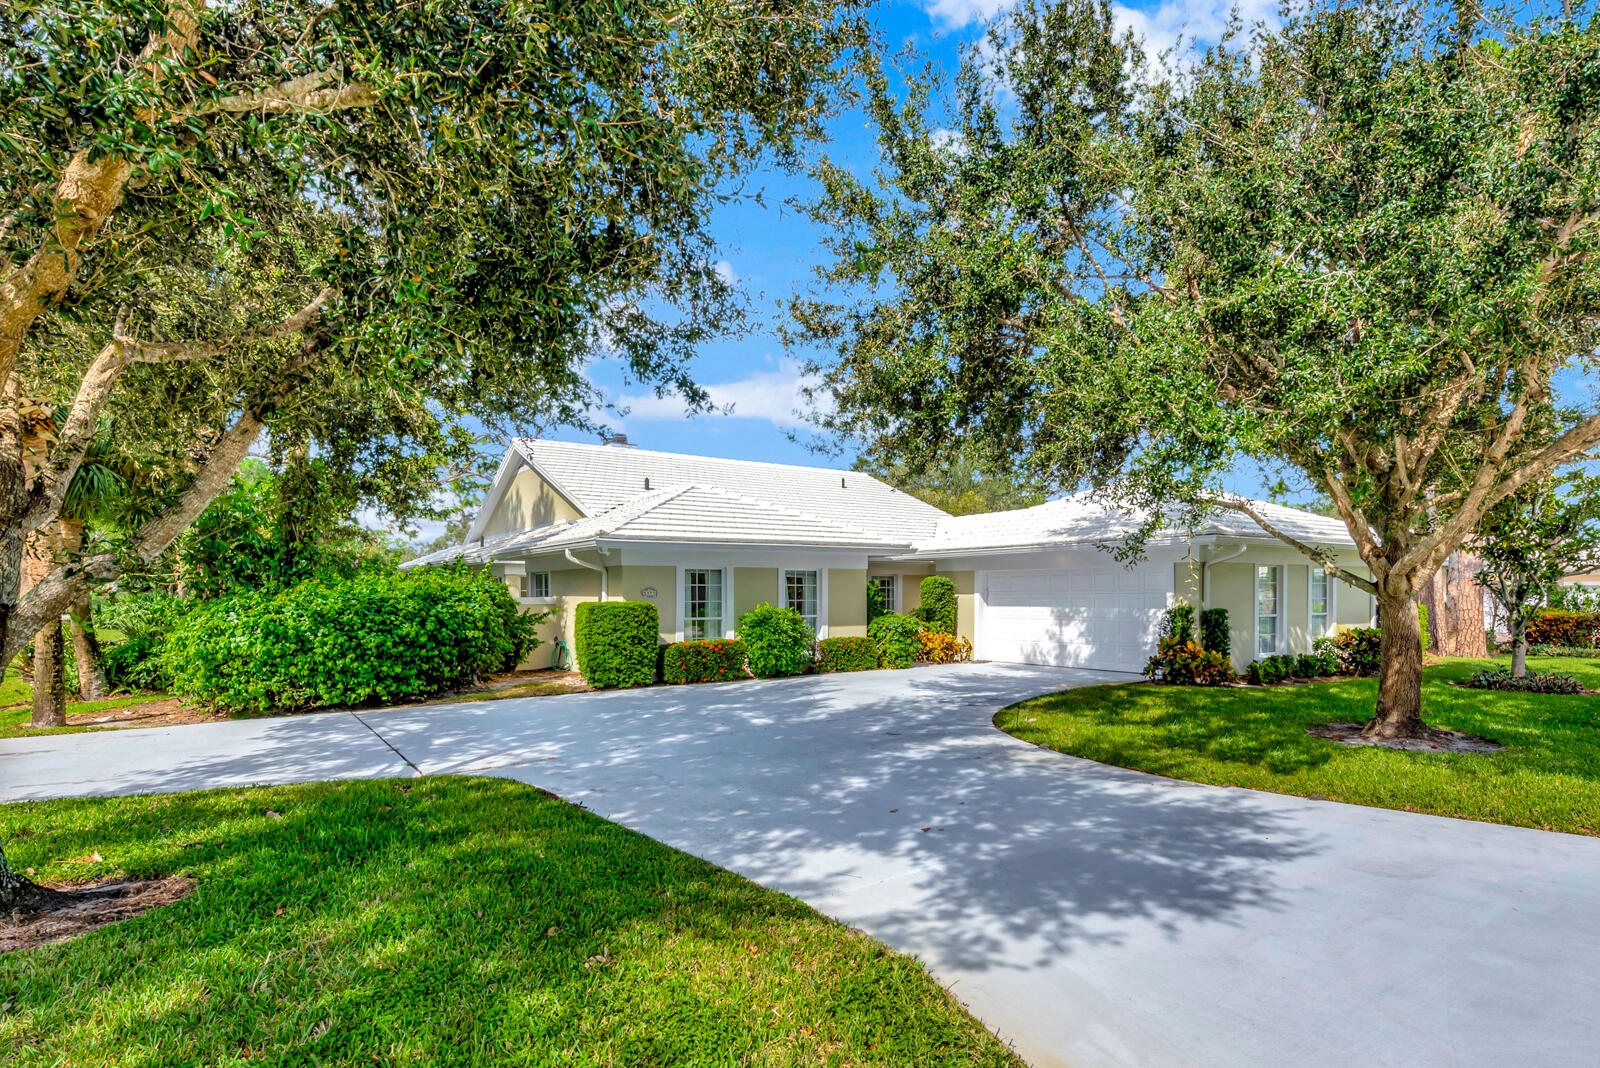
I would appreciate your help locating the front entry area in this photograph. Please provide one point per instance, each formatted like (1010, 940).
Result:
(1089, 617)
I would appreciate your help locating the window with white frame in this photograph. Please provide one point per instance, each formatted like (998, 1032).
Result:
(1321, 603)
(539, 583)
(800, 593)
(889, 586)
(1269, 610)
(702, 603)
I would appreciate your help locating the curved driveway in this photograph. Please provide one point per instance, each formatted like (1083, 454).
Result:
(1087, 914)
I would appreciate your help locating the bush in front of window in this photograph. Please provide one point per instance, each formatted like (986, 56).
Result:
(615, 642)
(1357, 650)
(938, 607)
(847, 654)
(877, 603)
(1271, 669)
(1321, 662)
(778, 639)
(897, 638)
(712, 660)
(936, 647)
(1215, 637)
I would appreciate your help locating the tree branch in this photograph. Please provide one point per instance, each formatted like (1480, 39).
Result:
(1321, 556)
(309, 92)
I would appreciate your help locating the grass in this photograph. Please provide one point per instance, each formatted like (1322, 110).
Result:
(1548, 775)
(444, 921)
(14, 721)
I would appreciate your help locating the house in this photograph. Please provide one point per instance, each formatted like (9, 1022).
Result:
(707, 539)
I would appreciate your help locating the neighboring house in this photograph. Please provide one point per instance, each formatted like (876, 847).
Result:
(708, 539)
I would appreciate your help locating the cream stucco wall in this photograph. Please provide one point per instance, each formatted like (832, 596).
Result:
(966, 602)
(1233, 587)
(568, 587)
(655, 584)
(528, 502)
(847, 602)
(753, 586)
(909, 578)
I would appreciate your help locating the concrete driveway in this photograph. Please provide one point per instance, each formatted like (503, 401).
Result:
(1087, 914)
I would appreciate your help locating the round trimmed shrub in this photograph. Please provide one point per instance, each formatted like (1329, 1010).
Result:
(712, 660)
(897, 638)
(616, 642)
(779, 641)
(850, 653)
(379, 636)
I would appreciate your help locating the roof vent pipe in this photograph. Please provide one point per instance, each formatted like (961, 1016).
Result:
(647, 482)
(841, 482)
(618, 440)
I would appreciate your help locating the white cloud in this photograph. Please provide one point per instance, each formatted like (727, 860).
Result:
(774, 395)
(1159, 26)
(724, 270)
(948, 141)
(957, 13)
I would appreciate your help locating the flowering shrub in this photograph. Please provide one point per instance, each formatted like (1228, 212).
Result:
(938, 648)
(896, 639)
(1532, 682)
(847, 654)
(1576, 629)
(714, 660)
(1184, 663)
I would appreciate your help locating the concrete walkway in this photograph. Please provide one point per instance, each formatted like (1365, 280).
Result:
(1089, 915)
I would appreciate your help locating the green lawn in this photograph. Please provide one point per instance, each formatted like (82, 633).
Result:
(444, 921)
(14, 721)
(1547, 776)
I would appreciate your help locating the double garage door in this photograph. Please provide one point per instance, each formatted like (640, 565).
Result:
(1100, 617)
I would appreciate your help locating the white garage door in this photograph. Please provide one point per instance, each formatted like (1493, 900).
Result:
(1102, 617)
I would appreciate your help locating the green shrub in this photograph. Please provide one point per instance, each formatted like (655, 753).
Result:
(1357, 650)
(713, 660)
(1178, 622)
(779, 640)
(1321, 661)
(135, 664)
(937, 647)
(896, 638)
(1577, 630)
(1532, 682)
(1422, 625)
(847, 654)
(938, 608)
(1183, 663)
(378, 636)
(616, 642)
(1214, 634)
(1271, 669)
(876, 605)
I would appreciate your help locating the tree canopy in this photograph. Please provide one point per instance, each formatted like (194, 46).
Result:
(1360, 244)
(365, 227)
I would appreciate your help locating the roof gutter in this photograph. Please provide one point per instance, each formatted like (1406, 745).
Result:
(592, 567)
(1205, 574)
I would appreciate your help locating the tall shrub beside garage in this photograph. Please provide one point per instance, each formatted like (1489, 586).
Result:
(938, 608)
(1214, 634)
(616, 643)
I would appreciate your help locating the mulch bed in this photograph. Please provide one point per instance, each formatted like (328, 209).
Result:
(87, 907)
(1435, 741)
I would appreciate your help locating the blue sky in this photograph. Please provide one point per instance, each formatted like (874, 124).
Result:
(770, 249)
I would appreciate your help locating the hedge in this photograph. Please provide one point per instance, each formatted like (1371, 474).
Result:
(896, 639)
(847, 654)
(616, 642)
(1177, 622)
(1577, 630)
(1214, 634)
(713, 660)
(938, 608)
(378, 636)
(779, 641)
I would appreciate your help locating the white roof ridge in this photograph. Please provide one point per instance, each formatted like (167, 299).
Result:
(798, 513)
(634, 450)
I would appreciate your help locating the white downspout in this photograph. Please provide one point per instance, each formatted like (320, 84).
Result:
(1205, 574)
(600, 568)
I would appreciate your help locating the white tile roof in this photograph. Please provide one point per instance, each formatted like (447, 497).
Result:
(686, 513)
(708, 501)
(1082, 519)
(598, 477)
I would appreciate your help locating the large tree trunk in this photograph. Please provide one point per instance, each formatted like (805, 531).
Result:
(85, 646)
(19, 894)
(1399, 712)
(49, 679)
